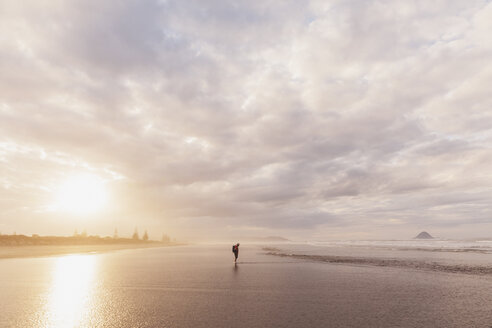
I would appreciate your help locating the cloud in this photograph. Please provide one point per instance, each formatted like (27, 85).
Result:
(217, 117)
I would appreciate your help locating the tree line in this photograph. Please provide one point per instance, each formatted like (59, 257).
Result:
(79, 239)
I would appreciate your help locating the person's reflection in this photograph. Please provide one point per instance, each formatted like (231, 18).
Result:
(235, 269)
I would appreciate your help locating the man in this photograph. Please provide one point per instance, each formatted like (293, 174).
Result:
(235, 250)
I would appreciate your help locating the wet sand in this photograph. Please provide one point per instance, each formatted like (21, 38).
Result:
(199, 286)
(53, 250)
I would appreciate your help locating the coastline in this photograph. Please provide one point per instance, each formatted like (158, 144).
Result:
(130, 290)
(10, 252)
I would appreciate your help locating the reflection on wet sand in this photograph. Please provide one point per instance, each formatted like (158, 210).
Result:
(199, 287)
(71, 299)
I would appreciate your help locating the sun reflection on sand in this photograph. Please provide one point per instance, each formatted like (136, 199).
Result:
(70, 300)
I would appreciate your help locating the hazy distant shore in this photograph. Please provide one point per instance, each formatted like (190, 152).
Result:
(53, 250)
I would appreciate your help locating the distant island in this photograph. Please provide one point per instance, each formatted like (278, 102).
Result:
(424, 235)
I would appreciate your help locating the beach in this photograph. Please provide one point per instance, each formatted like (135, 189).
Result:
(199, 286)
(53, 250)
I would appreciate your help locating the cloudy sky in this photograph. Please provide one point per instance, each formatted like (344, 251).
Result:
(221, 119)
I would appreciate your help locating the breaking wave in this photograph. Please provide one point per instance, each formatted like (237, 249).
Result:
(382, 262)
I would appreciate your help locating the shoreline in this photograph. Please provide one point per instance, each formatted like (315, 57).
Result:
(416, 264)
(29, 251)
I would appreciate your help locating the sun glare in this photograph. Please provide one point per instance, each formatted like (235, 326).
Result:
(83, 194)
(71, 297)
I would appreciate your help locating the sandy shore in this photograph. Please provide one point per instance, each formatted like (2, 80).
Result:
(199, 286)
(52, 250)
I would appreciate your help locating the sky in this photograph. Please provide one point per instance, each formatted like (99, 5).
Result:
(216, 120)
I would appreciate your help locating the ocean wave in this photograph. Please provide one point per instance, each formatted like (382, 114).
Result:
(385, 262)
(481, 247)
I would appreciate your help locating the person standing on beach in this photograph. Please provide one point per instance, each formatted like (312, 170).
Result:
(235, 250)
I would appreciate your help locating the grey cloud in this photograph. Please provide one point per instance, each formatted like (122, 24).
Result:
(274, 116)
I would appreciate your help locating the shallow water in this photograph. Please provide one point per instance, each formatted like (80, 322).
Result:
(199, 286)
(444, 256)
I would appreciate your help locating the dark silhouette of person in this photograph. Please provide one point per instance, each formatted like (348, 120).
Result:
(235, 250)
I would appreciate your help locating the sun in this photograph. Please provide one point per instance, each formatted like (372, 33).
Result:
(81, 194)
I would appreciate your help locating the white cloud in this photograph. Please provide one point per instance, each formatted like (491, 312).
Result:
(283, 117)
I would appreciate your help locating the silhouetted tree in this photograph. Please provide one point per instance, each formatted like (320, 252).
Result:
(145, 236)
(165, 238)
(135, 235)
(115, 236)
(84, 233)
